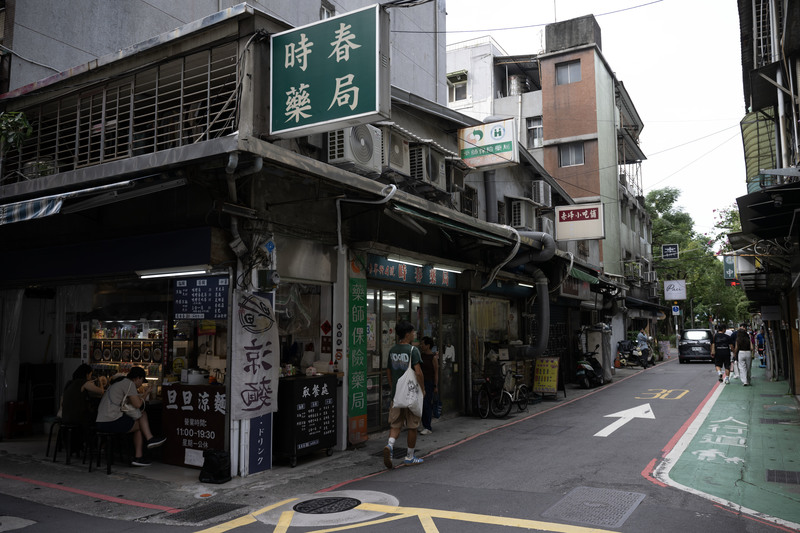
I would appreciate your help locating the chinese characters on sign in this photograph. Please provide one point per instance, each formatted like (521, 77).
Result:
(489, 145)
(545, 375)
(357, 364)
(329, 71)
(315, 413)
(201, 298)
(578, 222)
(381, 268)
(255, 357)
(195, 416)
(669, 251)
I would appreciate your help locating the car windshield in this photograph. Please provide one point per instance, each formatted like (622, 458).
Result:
(697, 335)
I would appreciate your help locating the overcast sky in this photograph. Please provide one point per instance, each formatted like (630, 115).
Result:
(680, 61)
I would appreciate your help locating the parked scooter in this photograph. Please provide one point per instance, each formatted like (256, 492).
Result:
(629, 355)
(590, 371)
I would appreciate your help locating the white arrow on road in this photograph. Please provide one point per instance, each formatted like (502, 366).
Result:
(643, 411)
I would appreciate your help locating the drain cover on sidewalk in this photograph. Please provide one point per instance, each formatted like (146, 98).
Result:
(204, 511)
(598, 507)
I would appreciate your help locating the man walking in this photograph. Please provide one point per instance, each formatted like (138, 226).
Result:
(401, 356)
(721, 352)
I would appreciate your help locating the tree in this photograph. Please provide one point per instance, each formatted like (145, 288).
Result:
(14, 129)
(726, 220)
(708, 297)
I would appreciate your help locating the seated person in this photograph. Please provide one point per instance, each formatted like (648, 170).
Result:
(79, 401)
(111, 419)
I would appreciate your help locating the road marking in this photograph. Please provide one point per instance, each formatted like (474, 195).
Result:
(244, 520)
(642, 411)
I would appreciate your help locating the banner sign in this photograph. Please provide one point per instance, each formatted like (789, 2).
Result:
(330, 74)
(489, 145)
(255, 357)
(579, 222)
(381, 268)
(357, 361)
(670, 251)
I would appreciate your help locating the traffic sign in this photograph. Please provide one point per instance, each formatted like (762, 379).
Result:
(676, 310)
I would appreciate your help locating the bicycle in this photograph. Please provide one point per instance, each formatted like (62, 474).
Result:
(494, 398)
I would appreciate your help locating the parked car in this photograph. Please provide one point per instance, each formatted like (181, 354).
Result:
(695, 345)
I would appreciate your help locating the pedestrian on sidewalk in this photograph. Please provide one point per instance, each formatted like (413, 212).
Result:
(430, 372)
(401, 356)
(643, 346)
(721, 349)
(743, 353)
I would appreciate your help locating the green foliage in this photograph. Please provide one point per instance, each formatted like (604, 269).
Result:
(708, 297)
(14, 129)
(726, 220)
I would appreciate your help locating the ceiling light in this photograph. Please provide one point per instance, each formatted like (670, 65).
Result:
(444, 268)
(173, 272)
(398, 259)
(525, 285)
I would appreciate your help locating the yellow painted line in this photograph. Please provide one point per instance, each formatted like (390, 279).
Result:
(363, 524)
(427, 523)
(481, 519)
(244, 520)
(284, 522)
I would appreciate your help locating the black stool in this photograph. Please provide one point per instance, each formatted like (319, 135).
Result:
(55, 425)
(110, 441)
(65, 436)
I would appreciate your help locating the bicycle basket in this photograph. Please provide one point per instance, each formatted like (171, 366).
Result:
(509, 382)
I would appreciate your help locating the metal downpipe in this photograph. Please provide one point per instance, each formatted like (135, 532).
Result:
(536, 256)
(231, 175)
(542, 311)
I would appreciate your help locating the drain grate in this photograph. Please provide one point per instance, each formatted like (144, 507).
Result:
(326, 505)
(784, 476)
(598, 507)
(772, 395)
(774, 421)
(200, 513)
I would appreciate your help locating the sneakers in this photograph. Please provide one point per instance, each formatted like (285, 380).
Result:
(727, 381)
(425, 431)
(155, 442)
(720, 377)
(387, 456)
(413, 460)
(140, 461)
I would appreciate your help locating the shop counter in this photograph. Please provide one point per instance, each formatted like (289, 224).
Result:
(193, 418)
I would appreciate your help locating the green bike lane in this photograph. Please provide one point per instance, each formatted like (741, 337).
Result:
(741, 449)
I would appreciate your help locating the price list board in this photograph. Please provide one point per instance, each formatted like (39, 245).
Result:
(193, 420)
(203, 298)
(306, 418)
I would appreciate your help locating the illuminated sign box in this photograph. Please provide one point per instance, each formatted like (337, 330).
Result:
(330, 74)
(579, 222)
(490, 145)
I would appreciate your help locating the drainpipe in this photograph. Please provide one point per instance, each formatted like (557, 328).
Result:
(542, 310)
(490, 189)
(536, 256)
(231, 176)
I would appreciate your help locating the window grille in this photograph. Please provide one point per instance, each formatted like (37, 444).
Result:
(175, 103)
(469, 201)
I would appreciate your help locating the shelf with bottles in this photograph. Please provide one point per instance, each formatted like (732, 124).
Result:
(141, 329)
(105, 372)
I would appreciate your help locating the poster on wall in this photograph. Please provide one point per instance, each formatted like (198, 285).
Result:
(256, 357)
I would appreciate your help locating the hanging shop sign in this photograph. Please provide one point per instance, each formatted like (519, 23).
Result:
(255, 357)
(489, 145)
(330, 74)
(670, 251)
(204, 298)
(357, 361)
(579, 222)
(675, 289)
(381, 268)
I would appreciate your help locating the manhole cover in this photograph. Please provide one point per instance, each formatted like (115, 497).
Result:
(326, 505)
(599, 507)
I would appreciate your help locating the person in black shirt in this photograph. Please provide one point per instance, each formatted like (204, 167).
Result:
(721, 352)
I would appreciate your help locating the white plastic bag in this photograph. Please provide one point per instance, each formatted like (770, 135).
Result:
(408, 393)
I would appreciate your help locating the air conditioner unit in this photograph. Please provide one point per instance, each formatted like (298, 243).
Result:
(429, 166)
(523, 215)
(395, 152)
(542, 194)
(545, 225)
(357, 148)
(651, 277)
(654, 291)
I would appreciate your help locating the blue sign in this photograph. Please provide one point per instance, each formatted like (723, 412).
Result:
(381, 268)
(669, 251)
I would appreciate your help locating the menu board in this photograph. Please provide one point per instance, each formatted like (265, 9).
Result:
(545, 375)
(306, 419)
(193, 422)
(201, 298)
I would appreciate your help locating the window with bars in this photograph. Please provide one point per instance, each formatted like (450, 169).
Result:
(176, 103)
(469, 201)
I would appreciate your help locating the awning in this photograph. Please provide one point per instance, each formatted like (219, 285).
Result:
(583, 276)
(30, 209)
(451, 224)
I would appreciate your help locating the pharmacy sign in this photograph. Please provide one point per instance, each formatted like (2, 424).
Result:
(330, 74)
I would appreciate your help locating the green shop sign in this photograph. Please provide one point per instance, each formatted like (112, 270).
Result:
(330, 74)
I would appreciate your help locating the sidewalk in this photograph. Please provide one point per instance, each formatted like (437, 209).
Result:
(743, 451)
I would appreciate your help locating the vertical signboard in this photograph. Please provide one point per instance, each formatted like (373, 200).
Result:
(545, 375)
(195, 418)
(330, 73)
(357, 362)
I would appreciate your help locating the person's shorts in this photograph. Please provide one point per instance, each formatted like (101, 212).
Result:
(400, 416)
(122, 424)
(723, 360)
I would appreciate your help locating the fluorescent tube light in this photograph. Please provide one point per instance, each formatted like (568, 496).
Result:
(444, 268)
(398, 259)
(525, 285)
(173, 272)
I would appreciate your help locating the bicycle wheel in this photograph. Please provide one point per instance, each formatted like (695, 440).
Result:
(501, 404)
(483, 403)
(522, 397)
